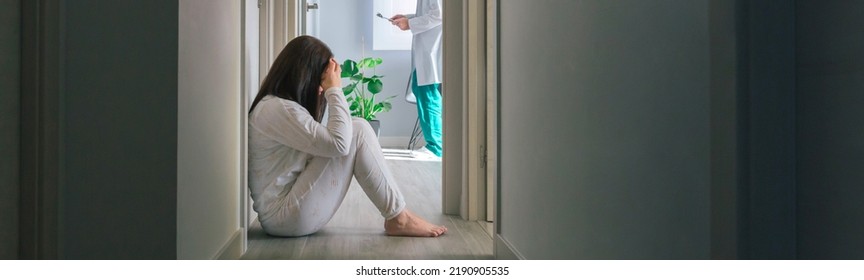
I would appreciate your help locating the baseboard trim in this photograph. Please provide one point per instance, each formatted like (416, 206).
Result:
(399, 142)
(504, 250)
(233, 249)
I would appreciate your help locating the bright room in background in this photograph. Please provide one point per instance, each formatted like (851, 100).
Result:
(387, 36)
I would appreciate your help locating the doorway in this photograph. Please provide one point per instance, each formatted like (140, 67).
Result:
(333, 22)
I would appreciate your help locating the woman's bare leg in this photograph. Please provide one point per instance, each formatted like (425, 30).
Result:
(370, 170)
(321, 187)
(409, 224)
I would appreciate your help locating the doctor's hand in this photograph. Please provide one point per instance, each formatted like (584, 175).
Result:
(401, 22)
(332, 76)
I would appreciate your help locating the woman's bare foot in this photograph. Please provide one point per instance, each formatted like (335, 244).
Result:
(408, 224)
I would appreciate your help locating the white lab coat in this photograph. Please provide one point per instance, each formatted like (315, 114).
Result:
(425, 25)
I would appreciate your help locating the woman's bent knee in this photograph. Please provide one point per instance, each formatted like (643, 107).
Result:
(361, 127)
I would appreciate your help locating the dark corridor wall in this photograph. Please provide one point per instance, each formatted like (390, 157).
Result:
(10, 78)
(624, 90)
(830, 129)
(786, 89)
(118, 200)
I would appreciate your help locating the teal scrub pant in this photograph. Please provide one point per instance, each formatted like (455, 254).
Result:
(429, 103)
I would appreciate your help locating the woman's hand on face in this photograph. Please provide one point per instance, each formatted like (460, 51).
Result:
(332, 76)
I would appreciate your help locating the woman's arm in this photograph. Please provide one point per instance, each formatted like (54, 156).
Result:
(291, 125)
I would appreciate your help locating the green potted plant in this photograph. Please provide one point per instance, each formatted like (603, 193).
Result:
(363, 88)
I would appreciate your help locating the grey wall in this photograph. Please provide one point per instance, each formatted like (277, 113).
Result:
(767, 129)
(725, 108)
(604, 129)
(752, 55)
(120, 154)
(208, 139)
(343, 23)
(830, 148)
(10, 89)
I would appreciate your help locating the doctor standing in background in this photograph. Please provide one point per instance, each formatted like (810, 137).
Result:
(425, 25)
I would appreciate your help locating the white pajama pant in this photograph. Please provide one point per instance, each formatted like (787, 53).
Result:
(323, 184)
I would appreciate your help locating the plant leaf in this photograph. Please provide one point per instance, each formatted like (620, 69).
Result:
(378, 107)
(349, 88)
(386, 106)
(349, 68)
(366, 63)
(357, 77)
(375, 86)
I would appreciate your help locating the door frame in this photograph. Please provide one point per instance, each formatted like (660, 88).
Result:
(478, 81)
(470, 161)
(278, 23)
(471, 157)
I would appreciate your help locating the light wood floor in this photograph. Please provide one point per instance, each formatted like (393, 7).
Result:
(357, 230)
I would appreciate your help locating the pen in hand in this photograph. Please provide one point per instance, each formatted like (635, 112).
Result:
(381, 16)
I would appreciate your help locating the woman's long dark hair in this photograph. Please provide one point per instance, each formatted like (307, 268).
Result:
(296, 75)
